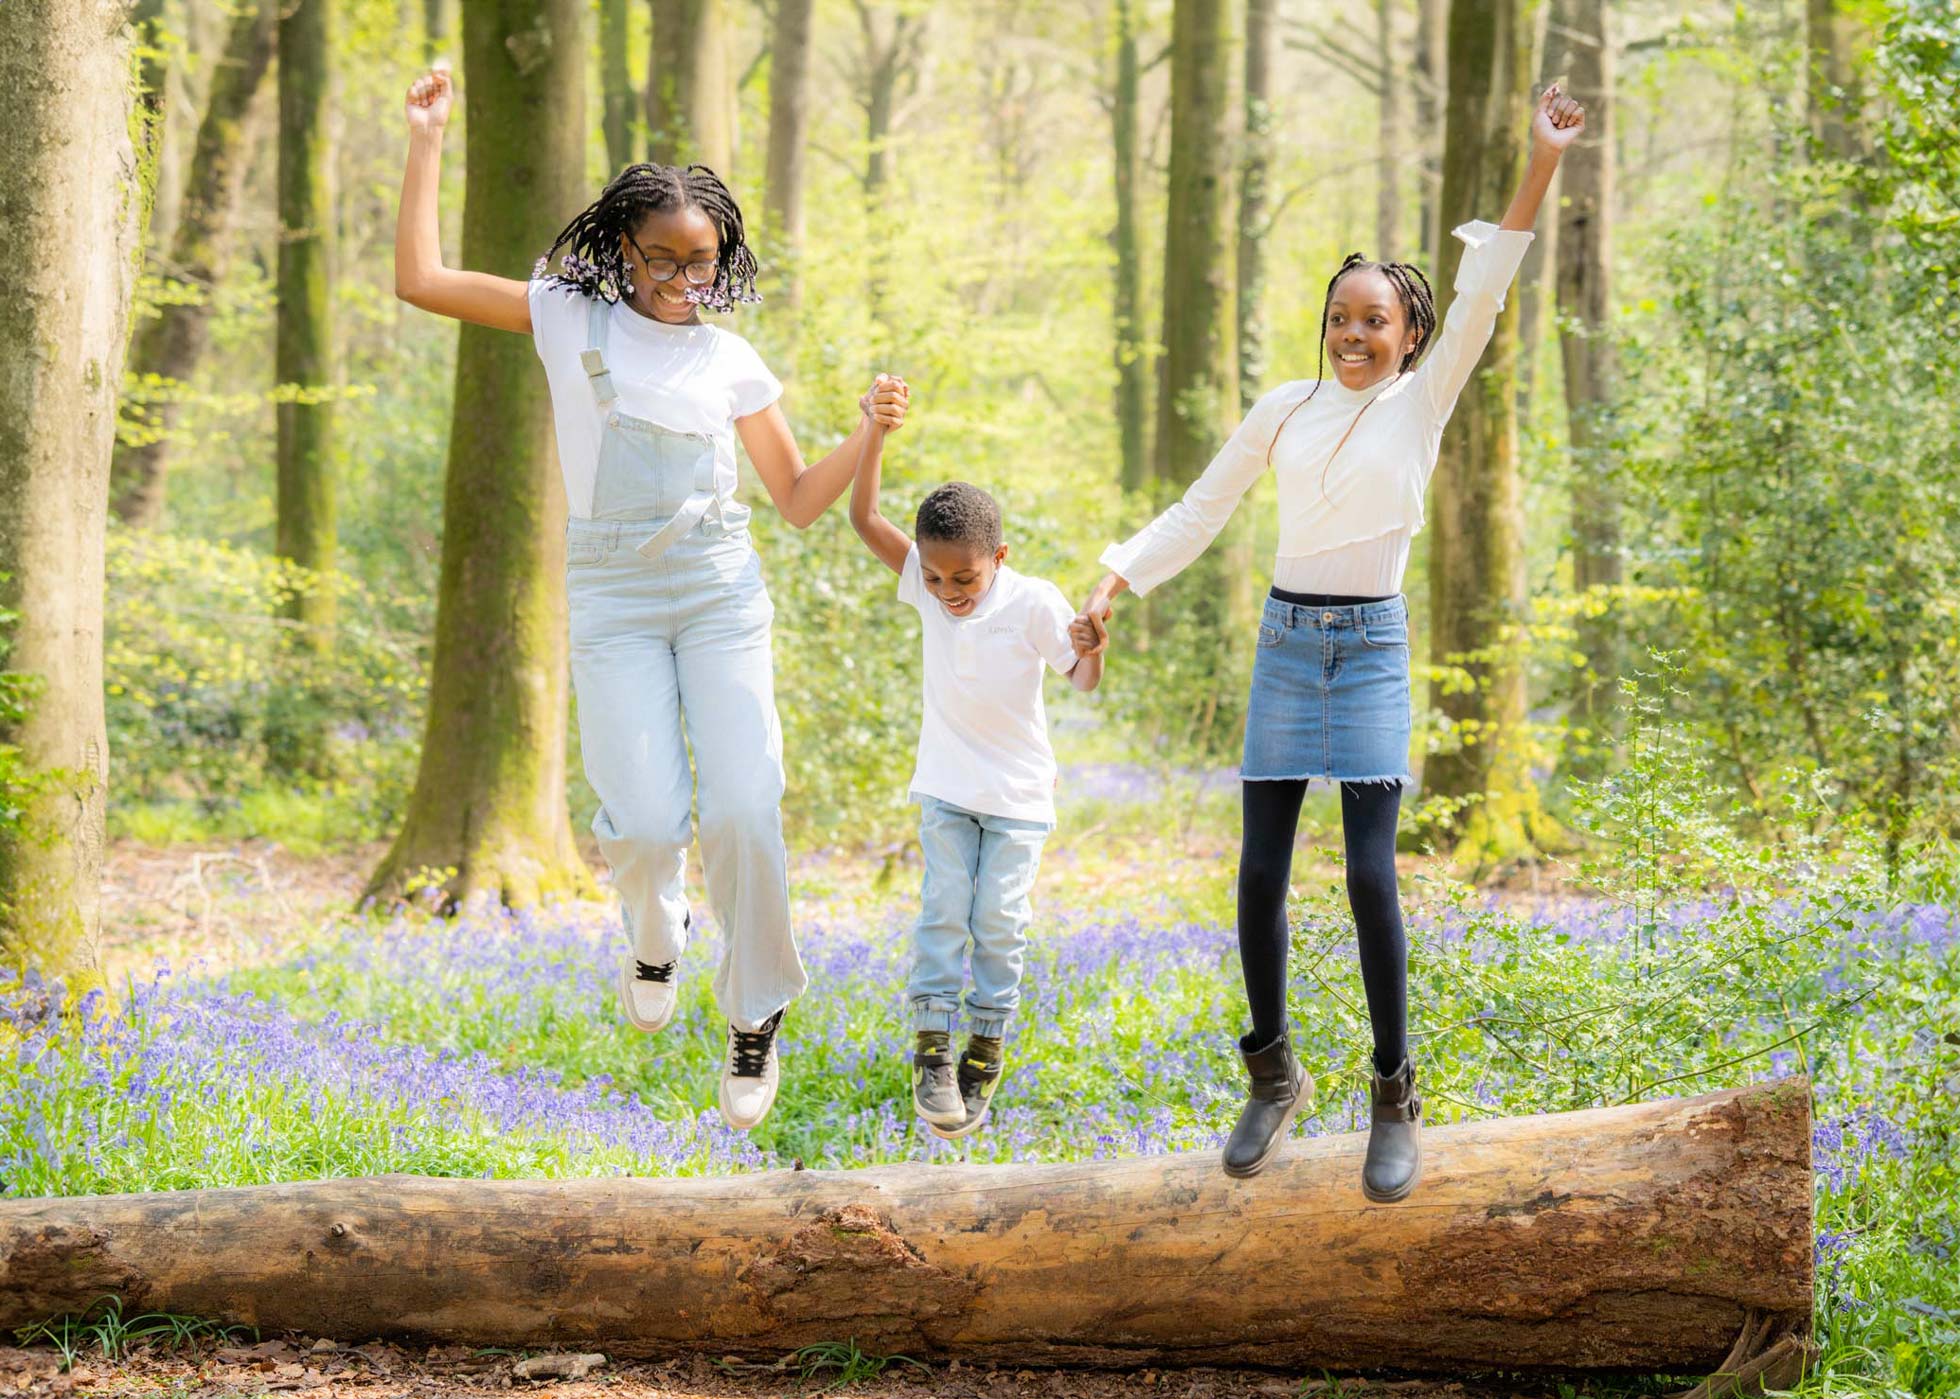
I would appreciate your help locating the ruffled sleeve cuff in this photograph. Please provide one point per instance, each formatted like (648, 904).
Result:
(1130, 561)
(1491, 257)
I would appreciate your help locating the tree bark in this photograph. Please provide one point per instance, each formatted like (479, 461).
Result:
(1585, 302)
(435, 29)
(789, 119)
(1644, 1237)
(690, 86)
(616, 84)
(889, 60)
(1388, 139)
(1132, 392)
(1195, 392)
(73, 191)
(488, 807)
(1832, 86)
(1431, 79)
(168, 346)
(1255, 165)
(1477, 552)
(306, 529)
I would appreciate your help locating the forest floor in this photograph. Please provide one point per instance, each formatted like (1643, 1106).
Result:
(382, 1371)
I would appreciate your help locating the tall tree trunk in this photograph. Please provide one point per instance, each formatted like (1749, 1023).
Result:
(1432, 78)
(1537, 292)
(73, 188)
(1255, 165)
(435, 28)
(168, 346)
(789, 119)
(1388, 139)
(690, 86)
(304, 349)
(616, 84)
(1195, 390)
(1832, 83)
(1476, 558)
(1132, 393)
(152, 81)
(489, 799)
(888, 59)
(1585, 300)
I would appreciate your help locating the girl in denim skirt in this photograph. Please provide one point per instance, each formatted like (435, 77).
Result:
(670, 623)
(1330, 682)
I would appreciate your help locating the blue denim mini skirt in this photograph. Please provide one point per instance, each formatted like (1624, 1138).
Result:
(1330, 694)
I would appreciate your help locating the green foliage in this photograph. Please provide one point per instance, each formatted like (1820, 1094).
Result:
(839, 1363)
(1788, 435)
(115, 1335)
(208, 689)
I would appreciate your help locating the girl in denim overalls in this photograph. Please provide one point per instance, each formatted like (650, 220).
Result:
(669, 618)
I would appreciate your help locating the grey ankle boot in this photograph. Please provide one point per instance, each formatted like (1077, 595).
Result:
(1277, 1081)
(1394, 1162)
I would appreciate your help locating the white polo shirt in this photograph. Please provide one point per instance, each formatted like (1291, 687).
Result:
(983, 741)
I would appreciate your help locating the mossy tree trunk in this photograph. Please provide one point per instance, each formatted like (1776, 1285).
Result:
(1583, 41)
(1132, 390)
(168, 345)
(1832, 89)
(616, 85)
(1196, 392)
(488, 810)
(303, 353)
(1477, 594)
(1255, 167)
(789, 122)
(1431, 76)
(690, 95)
(73, 191)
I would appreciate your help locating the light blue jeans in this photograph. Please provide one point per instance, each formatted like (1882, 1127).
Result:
(979, 873)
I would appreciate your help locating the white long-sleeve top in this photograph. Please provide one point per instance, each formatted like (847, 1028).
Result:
(1346, 518)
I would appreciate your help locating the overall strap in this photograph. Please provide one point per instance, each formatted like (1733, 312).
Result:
(593, 356)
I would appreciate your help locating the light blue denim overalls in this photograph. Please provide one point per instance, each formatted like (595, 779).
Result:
(670, 632)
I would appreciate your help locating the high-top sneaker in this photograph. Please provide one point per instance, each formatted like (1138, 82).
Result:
(1278, 1084)
(647, 991)
(1394, 1161)
(750, 1074)
(935, 1093)
(981, 1066)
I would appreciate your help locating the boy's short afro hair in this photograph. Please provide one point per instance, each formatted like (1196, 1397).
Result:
(957, 513)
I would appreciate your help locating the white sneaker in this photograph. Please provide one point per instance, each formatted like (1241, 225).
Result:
(749, 1075)
(647, 994)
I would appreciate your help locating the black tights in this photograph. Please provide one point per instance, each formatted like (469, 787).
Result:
(1368, 813)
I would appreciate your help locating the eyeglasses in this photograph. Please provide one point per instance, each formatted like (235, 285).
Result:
(662, 269)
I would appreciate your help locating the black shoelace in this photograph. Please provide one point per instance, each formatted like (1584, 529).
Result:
(642, 972)
(748, 1050)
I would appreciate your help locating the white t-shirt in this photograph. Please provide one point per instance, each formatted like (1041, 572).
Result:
(691, 378)
(983, 742)
(1352, 463)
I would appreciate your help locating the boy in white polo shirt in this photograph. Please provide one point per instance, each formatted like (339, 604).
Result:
(985, 775)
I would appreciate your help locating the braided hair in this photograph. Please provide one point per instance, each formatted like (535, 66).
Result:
(595, 264)
(1418, 306)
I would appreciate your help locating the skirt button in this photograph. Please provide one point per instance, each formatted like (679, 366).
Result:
(1326, 618)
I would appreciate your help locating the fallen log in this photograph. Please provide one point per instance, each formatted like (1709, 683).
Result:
(1641, 1237)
